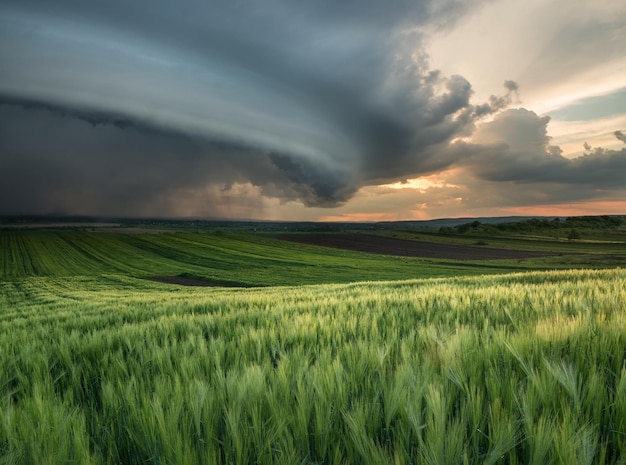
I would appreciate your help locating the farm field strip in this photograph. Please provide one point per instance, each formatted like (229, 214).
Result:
(519, 368)
(234, 259)
(604, 242)
(392, 246)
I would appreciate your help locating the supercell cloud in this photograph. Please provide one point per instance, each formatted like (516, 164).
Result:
(121, 108)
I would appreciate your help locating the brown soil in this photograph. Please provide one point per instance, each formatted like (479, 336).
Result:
(182, 281)
(408, 248)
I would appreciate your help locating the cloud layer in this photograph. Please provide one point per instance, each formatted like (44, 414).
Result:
(121, 108)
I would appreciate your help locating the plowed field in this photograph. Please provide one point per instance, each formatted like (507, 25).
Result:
(408, 248)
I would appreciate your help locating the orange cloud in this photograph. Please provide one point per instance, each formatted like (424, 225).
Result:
(362, 217)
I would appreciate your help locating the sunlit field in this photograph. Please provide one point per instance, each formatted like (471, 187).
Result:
(101, 367)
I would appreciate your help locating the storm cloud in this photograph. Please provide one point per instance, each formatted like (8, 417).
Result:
(122, 108)
(515, 147)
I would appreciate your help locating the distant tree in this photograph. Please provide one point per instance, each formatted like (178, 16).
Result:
(463, 228)
(573, 235)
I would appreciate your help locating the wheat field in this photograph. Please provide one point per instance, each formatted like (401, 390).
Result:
(519, 368)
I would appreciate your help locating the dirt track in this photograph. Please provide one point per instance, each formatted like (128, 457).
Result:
(407, 248)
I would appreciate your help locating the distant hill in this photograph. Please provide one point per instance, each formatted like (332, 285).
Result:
(451, 222)
(503, 223)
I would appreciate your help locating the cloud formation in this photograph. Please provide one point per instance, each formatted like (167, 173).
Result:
(515, 147)
(134, 108)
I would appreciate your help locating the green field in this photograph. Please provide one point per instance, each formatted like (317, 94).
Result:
(246, 259)
(336, 357)
(228, 258)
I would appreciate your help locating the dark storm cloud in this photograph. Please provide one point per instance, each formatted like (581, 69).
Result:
(325, 96)
(122, 106)
(90, 116)
(94, 164)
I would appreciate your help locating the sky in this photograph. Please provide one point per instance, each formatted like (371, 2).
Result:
(316, 111)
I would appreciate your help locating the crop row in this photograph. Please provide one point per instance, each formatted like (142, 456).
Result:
(227, 258)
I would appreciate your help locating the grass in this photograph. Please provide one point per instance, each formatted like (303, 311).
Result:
(233, 258)
(523, 368)
(100, 366)
(246, 259)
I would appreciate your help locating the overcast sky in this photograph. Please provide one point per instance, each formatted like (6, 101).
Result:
(325, 110)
